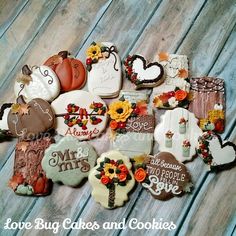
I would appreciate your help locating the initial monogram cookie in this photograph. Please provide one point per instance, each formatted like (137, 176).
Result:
(80, 114)
(166, 177)
(111, 179)
(214, 152)
(143, 74)
(104, 70)
(68, 161)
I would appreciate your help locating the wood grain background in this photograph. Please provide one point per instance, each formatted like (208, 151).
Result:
(205, 31)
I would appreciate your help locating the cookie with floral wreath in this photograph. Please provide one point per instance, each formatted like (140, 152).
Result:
(141, 73)
(104, 69)
(175, 90)
(80, 114)
(131, 124)
(111, 179)
(163, 176)
(217, 154)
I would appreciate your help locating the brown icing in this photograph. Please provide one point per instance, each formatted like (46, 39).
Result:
(27, 166)
(70, 71)
(167, 176)
(141, 124)
(40, 118)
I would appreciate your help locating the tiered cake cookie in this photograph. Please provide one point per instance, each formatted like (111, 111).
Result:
(174, 92)
(104, 70)
(132, 124)
(80, 114)
(208, 104)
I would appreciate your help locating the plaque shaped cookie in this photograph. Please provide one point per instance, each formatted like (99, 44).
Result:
(132, 124)
(80, 114)
(28, 120)
(111, 179)
(70, 71)
(38, 82)
(143, 74)
(28, 177)
(69, 161)
(166, 176)
(214, 152)
(174, 91)
(208, 104)
(104, 70)
(178, 133)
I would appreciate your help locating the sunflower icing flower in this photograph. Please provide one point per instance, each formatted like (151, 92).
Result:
(94, 52)
(120, 110)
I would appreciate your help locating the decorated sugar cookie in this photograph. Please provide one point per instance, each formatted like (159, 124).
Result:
(29, 177)
(215, 152)
(131, 124)
(70, 71)
(28, 120)
(163, 176)
(69, 161)
(178, 133)
(80, 114)
(38, 82)
(111, 179)
(143, 74)
(209, 103)
(104, 70)
(174, 91)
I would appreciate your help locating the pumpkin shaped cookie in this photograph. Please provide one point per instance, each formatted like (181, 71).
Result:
(70, 71)
(111, 179)
(27, 120)
(38, 82)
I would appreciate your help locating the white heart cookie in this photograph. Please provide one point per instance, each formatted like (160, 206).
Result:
(214, 152)
(142, 74)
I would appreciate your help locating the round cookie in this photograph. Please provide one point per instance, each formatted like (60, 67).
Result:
(111, 179)
(38, 82)
(104, 70)
(80, 114)
(69, 161)
(166, 176)
(70, 71)
(28, 120)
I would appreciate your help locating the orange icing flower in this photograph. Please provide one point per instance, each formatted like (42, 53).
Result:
(123, 168)
(183, 73)
(113, 125)
(105, 179)
(142, 107)
(120, 110)
(140, 175)
(163, 56)
(180, 95)
(122, 176)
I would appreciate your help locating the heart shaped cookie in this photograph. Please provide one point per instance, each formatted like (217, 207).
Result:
(142, 74)
(216, 153)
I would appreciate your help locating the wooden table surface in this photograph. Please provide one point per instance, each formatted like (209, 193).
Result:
(205, 31)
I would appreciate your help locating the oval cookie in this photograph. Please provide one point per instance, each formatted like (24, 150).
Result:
(111, 179)
(69, 161)
(80, 114)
